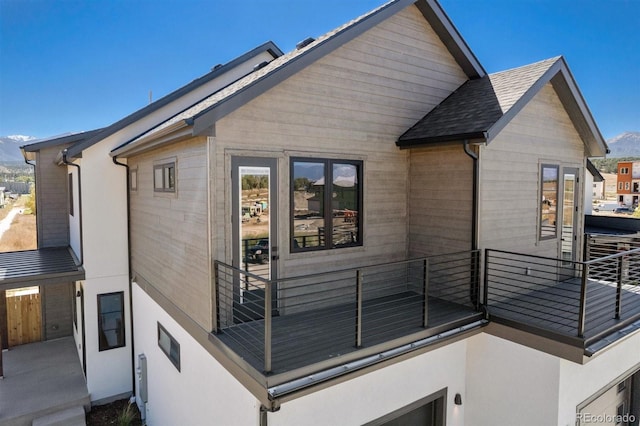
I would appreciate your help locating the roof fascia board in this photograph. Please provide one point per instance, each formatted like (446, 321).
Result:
(177, 131)
(450, 36)
(474, 138)
(203, 120)
(580, 114)
(61, 140)
(269, 46)
(531, 92)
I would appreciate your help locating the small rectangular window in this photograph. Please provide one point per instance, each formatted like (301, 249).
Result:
(71, 194)
(169, 346)
(111, 320)
(164, 177)
(133, 179)
(549, 201)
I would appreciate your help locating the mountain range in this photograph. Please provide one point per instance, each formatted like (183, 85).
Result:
(626, 144)
(10, 148)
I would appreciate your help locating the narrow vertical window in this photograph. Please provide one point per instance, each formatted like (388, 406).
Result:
(71, 206)
(133, 180)
(169, 346)
(549, 201)
(111, 320)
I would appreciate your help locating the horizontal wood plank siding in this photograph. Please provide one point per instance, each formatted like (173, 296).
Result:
(440, 200)
(57, 306)
(353, 104)
(169, 231)
(510, 172)
(52, 202)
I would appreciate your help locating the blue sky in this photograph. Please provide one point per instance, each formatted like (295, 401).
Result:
(71, 65)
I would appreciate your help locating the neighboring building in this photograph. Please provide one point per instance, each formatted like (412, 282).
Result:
(385, 294)
(628, 182)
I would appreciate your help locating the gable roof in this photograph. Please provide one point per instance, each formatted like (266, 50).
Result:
(68, 138)
(480, 109)
(218, 70)
(597, 176)
(201, 116)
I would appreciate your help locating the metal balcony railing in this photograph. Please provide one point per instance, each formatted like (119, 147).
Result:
(587, 300)
(279, 325)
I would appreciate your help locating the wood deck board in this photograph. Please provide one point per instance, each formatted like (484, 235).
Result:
(306, 338)
(561, 315)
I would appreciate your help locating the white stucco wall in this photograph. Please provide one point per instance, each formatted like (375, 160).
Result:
(74, 221)
(580, 382)
(381, 392)
(202, 393)
(510, 384)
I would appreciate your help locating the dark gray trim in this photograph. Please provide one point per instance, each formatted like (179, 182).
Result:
(269, 46)
(58, 140)
(448, 33)
(458, 138)
(440, 398)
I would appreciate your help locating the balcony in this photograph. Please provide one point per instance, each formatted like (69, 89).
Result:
(587, 304)
(292, 327)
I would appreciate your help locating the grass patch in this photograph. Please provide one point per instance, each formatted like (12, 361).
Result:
(21, 235)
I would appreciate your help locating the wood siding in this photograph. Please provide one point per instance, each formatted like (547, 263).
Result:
(352, 104)
(440, 201)
(24, 316)
(169, 245)
(510, 174)
(52, 200)
(58, 310)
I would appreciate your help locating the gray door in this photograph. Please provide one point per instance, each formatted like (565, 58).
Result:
(255, 249)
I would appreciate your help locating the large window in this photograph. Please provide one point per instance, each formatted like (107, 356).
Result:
(111, 320)
(164, 177)
(549, 201)
(169, 346)
(326, 204)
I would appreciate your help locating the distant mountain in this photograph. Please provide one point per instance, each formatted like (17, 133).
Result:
(10, 147)
(626, 144)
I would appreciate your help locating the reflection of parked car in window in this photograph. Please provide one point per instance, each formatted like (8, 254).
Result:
(606, 207)
(623, 210)
(260, 252)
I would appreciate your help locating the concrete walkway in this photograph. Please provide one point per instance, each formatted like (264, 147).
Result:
(5, 223)
(41, 379)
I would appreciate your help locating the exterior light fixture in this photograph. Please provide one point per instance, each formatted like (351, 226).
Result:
(457, 399)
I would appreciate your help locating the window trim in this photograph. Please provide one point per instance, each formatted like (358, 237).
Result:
(558, 195)
(133, 180)
(328, 214)
(165, 166)
(122, 325)
(172, 342)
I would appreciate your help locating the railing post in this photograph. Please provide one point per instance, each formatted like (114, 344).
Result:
(245, 260)
(583, 299)
(267, 326)
(359, 309)
(619, 288)
(485, 295)
(1, 372)
(215, 297)
(425, 289)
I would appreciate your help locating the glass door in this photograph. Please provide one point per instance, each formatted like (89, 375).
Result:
(569, 237)
(254, 233)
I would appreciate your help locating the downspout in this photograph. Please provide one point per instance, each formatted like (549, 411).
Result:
(475, 209)
(133, 351)
(68, 163)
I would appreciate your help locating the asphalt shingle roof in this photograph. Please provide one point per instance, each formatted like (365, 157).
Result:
(475, 106)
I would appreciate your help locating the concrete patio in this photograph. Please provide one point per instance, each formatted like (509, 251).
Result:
(40, 380)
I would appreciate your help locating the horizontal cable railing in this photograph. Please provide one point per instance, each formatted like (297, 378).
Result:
(580, 299)
(301, 320)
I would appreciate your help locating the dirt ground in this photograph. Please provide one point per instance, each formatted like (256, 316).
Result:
(108, 414)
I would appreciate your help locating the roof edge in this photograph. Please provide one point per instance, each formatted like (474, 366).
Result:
(217, 71)
(444, 139)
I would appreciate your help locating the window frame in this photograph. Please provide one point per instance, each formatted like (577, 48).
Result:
(544, 166)
(173, 343)
(71, 204)
(122, 327)
(328, 164)
(167, 186)
(133, 179)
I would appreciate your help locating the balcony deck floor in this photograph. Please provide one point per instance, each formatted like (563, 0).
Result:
(556, 307)
(305, 338)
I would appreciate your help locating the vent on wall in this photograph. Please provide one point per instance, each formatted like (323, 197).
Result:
(305, 42)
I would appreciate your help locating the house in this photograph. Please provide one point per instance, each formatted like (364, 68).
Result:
(628, 182)
(385, 297)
